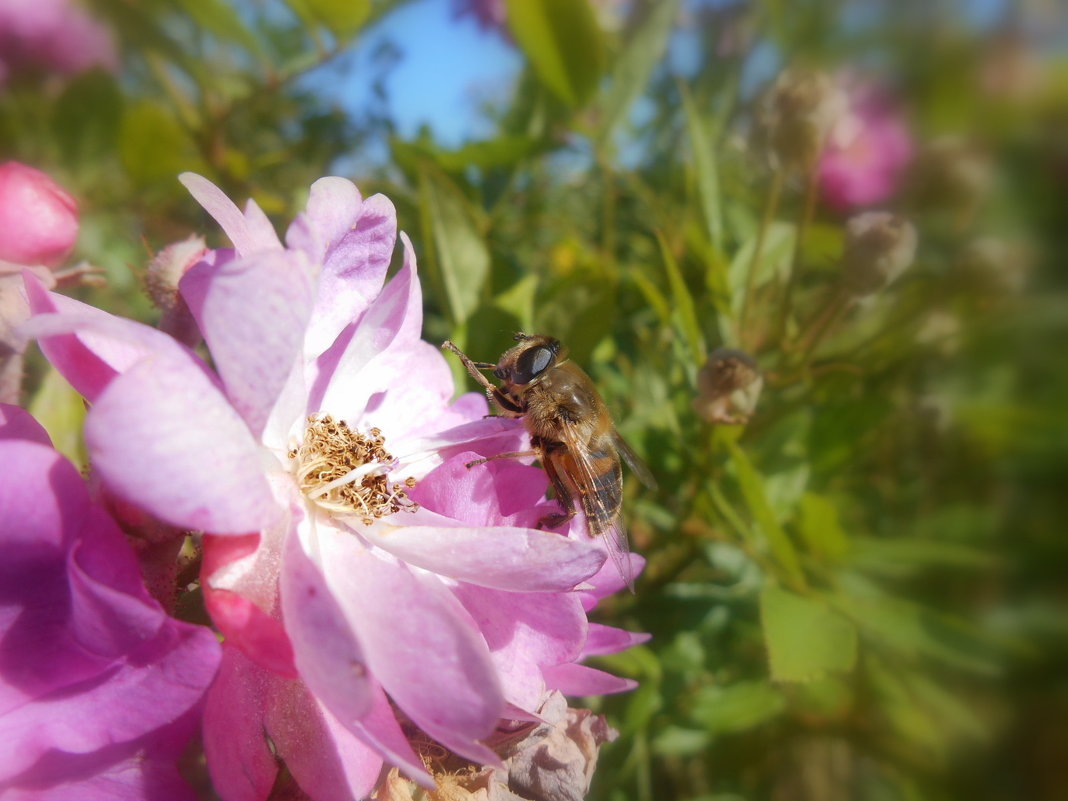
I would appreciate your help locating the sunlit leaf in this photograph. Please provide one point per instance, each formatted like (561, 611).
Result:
(684, 303)
(342, 17)
(707, 172)
(818, 525)
(736, 707)
(563, 42)
(778, 543)
(220, 18)
(153, 145)
(61, 411)
(806, 638)
(635, 63)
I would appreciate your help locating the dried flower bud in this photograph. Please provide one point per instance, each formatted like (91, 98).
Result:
(879, 247)
(161, 283)
(951, 172)
(728, 387)
(798, 113)
(549, 761)
(993, 265)
(38, 219)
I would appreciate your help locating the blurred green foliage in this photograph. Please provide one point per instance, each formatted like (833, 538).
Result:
(860, 593)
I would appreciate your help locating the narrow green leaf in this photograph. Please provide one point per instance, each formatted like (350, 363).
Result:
(818, 525)
(684, 305)
(704, 162)
(778, 543)
(635, 64)
(503, 151)
(342, 17)
(806, 638)
(563, 43)
(461, 258)
(775, 255)
(153, 145)
(678, 741)
(221, 19)
(741, 706)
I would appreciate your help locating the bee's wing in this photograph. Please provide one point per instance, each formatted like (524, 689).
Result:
(601, 520)
(633, 461)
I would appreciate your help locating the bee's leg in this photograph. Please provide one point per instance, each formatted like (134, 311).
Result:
(563, 495)
(508, 455)
(503, 402)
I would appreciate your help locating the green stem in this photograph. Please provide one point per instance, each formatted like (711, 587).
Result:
(771, 205)
(808, 210)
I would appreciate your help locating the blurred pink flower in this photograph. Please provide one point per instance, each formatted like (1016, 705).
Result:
(100, 691)
(866, 152)
(38, 220)
(53, 36)
(357, 568)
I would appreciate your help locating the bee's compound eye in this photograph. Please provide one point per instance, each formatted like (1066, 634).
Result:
(531, 364)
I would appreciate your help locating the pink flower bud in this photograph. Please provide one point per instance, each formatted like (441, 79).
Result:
(38, 219)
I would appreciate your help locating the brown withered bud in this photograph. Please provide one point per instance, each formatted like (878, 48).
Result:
(951, 172)
(162, 275)
(797, 113)
(553, 760)
(995, 266)
(879, 247)
(728, 387)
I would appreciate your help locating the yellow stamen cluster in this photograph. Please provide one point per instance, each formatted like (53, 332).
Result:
(345, 471)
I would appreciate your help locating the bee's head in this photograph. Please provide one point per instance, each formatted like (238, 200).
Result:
(529, 360)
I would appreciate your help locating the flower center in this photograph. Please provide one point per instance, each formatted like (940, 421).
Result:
(347, 472)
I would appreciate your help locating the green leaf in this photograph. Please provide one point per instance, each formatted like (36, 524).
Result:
(61, 410)
(153, 145)
(636, 62)
(503, 151)
(736, 707)
(221, 19)
(703, 152)
(774, 263)
(563, 43)
(817, 522)
(684, 304)
(87, 117)
(579, 309)
(778, 543)
(461, 260)
(342, 17)
(678, 741)
(806, 638)
(902, 555)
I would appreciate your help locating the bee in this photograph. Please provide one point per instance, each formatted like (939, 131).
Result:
(571, 433)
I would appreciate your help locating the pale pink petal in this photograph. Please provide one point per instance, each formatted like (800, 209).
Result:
(394, 316)
(18, 424)
(250, 232)
(484, 494)
(419, 641)
(507, 558)
(90, 347)
(578, 680)
(608, 640)
(252, 313)
(328, 655)
(608, 580)
(162, 437)
(379, 729)
(526, 632)
(240, 761)
(353, 240)
(327, 761)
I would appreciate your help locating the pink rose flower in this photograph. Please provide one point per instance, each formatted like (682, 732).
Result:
(370, 587)
(867, 150)
(100, 691)
(52, 35)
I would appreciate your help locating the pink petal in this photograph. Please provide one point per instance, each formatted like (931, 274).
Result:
(608, 580)
(162, 437)
(88, 346)
(328, 655)
(326, 760)
(419, 642)
(18, 424)
(353, 240)
(525, 633)
(572, 679)
(252, 313)
(243, 622)
(609, 640)
(380, 730)
(250, 232)
(240, 761)
(507, 558)
(395, 316)
(483, 494)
